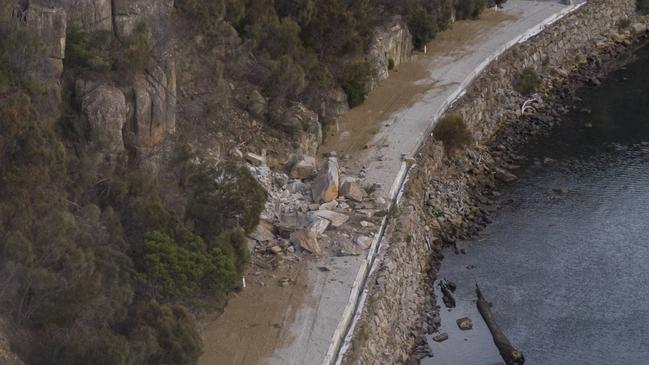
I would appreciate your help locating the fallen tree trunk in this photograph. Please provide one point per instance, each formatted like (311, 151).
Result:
(511, 355)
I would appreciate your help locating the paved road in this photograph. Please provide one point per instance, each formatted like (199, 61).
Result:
(315, 322)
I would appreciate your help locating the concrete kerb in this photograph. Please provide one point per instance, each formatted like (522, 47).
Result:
(356, 302)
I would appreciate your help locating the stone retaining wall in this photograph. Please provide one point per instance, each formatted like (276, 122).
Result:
(399, 289)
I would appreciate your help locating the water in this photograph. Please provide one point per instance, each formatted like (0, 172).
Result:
(566, 261)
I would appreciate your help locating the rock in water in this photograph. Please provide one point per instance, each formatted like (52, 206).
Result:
(325, 186)
(306, 239)
(505, 176)
(465, 324)
(350, 188)
(441, 337)
(305, 168)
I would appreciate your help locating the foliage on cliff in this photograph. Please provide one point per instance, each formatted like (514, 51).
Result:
(96, 268)
(307, 44)
(643, 6)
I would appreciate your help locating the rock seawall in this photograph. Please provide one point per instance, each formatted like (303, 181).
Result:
(444, 194)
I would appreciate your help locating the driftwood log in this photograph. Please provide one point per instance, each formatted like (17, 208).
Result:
(511, 355)
(447, 293)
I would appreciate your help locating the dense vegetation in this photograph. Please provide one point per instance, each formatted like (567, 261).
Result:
(95, 268)
(306, 44)
(643, 6)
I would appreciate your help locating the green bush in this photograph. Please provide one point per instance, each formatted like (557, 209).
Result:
(92, 51)
(390, 64)
(355, 83)
(136, 55)
(453, 132)
(22, 58)
(162, 334)
(234, 244)
(172, 270)
(643, 6)
(469, 9)
(223, 198)
(528, 82)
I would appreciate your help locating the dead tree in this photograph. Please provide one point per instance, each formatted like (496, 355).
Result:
(511, 355)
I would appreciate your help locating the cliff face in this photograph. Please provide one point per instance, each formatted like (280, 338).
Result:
(213, 81)
(392, 45)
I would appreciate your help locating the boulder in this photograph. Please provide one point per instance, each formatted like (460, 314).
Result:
(325, 187)
(351, 188)
(336, 219)
(328, 206)
(105, 108)
(464, 324)
(319, 225)
(363, 242)
(305, 121)
(257, 105)
(505, 176)
(441, 337)
(306, 239)
(304, 168)
(255, 159)
(263, 232)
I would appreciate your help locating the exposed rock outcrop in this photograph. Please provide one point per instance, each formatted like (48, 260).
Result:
(89, 15)
(153, 107)
(105, 108)
(392, 44)
(306, 124)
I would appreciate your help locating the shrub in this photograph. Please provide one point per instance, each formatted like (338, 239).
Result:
(355, 83)
(224, 197)
(643, 6)
(469, 9)
(527, 82)
(453, 132)
(624, 23)
(22, 58)
(92, 51)
(390, 64)
(233, 243)
(172, 270)
(136, 55)
(163, 334)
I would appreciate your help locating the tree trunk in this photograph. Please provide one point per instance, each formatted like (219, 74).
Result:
(511, 355)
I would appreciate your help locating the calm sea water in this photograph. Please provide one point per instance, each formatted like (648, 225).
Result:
(566, 261)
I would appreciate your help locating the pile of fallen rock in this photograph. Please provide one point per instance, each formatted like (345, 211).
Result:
(310, 206)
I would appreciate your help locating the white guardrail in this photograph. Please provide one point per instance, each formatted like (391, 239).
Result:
(354, 307)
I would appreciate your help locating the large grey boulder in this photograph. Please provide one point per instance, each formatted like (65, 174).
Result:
(105, 108)
(325, 187)
(336, 219)
(306, 239)
(351, 188)
(304, 168)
